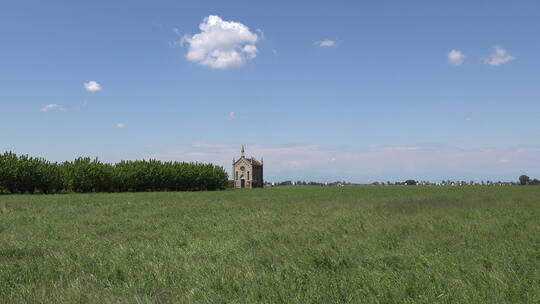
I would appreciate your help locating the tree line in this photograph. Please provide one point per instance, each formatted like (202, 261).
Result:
(25, 174)
(304, 183)
(525, 180)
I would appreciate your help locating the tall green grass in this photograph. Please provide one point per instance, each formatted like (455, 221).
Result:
(303, 245)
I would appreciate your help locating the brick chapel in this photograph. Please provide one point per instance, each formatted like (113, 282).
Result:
(247, 172)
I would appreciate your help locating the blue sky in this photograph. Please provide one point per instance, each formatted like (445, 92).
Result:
(325, 90)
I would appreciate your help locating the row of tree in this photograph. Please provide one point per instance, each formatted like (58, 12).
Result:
(525, 180)
(412, 182)
(304, 183)
(25, 174)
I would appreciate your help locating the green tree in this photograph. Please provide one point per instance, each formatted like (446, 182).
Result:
(410, 182)
(524, 180)
(534, 182)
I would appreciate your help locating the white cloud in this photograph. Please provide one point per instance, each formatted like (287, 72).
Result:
(232, 115)
(326, 43)
(261, 34)
(175, 43)
(120, 125)
(377, 163)
(92, 86)
(206, 145)
(456, 57)
(498, 57)
(52, 106)
(221, 44)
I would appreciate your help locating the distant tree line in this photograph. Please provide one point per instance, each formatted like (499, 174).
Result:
(525, 180)
(25, 174)
(304, 183)
(412, 182)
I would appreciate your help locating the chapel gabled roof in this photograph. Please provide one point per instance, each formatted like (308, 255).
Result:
(254, 162)
(251, 160)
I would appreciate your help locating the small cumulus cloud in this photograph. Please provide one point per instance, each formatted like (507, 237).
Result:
(52, 106)
(498, 56)
(325, 43)
(221, 44)
(92, 86)
(456, 57)
(120, 125)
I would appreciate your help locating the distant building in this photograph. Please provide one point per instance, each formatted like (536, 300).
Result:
(247, 172)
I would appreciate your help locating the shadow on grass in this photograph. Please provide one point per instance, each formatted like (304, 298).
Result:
(21, 253)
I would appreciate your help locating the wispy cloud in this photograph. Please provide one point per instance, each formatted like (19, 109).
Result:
(120, 125)
(456, 57)
(92, 86)
(176, 42)
(207, 145)
(261, 34)
(370, 164)
(325, 43)
(498, 56)
(52, 106)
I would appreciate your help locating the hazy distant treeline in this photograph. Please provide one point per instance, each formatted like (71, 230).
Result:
(25, 174)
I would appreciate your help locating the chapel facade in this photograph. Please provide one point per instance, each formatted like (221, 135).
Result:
(247, 172)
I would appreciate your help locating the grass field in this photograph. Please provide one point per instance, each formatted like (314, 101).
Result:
(287, 245)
